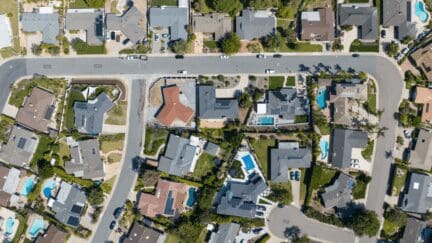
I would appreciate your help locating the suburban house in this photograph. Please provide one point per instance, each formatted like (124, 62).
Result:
(363, 16)
(174, 19)
(140, 233)
(282, 107)
(422, 58)
(89, 116)
(217, 25)
(46, 23)
(52, 235)
(420, 156)
(255, 24)
(343, 141)
(225, 233)
(417, 195)
(288, 155)
(317, 25)
(414, 232)
(211, 109)
(339, 193)
(85, 159)
(169, 199)
(241, 198)
(423, 96)
(130, 24)
(181, 155)
(5, 31)
(397, 13)
(68, 204)
(37, 110)
(344, 98)
(19, 148)
(10, 180)
(89, 20)
(173, 109)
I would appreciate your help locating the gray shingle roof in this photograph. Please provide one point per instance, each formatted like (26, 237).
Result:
(240, 198)
(69, 203)
(211, 148)
(20, 147)
(397, 13)
(48, 24)
(173, 18)
(211, 108)
(421, 156)
(86, 161)
(413, 231)
(343, 141)
(92, 23)
(417, 196)
(281, 159)
(255, 24)
(363, 16)
(225, 234)
(89, 115)
(129, 23)
(339, 194)
(178, 156)
(287, 104)
(219, 24)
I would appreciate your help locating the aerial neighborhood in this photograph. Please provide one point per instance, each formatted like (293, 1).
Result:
(215, 121)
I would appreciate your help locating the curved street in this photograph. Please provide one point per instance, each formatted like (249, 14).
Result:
(386, 73)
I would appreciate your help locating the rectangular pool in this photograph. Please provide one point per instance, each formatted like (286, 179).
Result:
(265, 121)
(248, 162)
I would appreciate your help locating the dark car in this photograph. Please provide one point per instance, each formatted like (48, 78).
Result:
(112, 35)
(292, 175)
(112, 224)
(297, 175)
(355, 55)
(126, 41)
(383, 34)
(179, 57)
(259, 214)
(117, 212)
(277, 55)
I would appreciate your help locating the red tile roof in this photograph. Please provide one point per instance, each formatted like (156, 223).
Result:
(173, 109)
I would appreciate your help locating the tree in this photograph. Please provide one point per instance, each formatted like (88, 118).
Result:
(365, 222)
(245, 100)
(274, 42)
(179, 47)
(36, 49)
(337, 45)
(95, 196)
(45, 169)
(395, 216)
(392, 49)
(362, 75)
(189, 231)
(231, 7)
(286, 12)
(231, 44)
(262, 4)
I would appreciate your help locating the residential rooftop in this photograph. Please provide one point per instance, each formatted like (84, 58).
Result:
(140, 233)
(343, 141)
(423, 96)
(53, 235)
(209, 107)
(318, 25)
(89, 116)
(421, 156)
(417, 195)
(130, 24)
(92, 22)
(175, 19)
(47, 23)
(255, 24)
(344, 97)
(68, 204)
(286, 103)
(288, 155)
(397, 13)
(173, 109)
(339, 194)
(85, 160)
(226, 233)
(422, 58)
(217, 24)
(20, 147)
(363, 16)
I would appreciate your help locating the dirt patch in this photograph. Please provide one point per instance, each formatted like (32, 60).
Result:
(121, 85)
(243, 47)
(155, 94)
(212, 123)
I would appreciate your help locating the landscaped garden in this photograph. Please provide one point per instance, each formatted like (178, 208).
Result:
(154, 139)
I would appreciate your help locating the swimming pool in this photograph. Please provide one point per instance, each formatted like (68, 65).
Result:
(324, 148)
(265, 120)
(37, 226)
(191, 197)
(9, 226)
(28, 186)
(421, 12)
(321, 98)
(47, 188)
(248, 162)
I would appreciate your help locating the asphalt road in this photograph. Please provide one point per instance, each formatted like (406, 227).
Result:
(387, 74)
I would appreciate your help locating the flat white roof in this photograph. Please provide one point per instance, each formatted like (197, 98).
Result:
(311, 16)
(46, 10)
(261, 108)
(5, 32)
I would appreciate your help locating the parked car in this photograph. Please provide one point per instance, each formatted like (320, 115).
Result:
(261, 208)
(143, 57)
(182, 71)
(297, 175)
(270, 71)
(166, 36)
(328, 46)
(259, 214)
(407, 134)
(257, 230)
(261, 56)
(112, 224)
(224, 57)
(117, 212)
(292, 175)
(132, 57)
(277, 55)
(404, 51)
(125, 42)
(113, 35)
(383, 34)
(117, 38)
(156, 37)
(355, 55)
(179, 56)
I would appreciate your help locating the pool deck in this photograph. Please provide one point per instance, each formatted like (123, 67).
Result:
(244, 152)
(30, 221)
(5, 214)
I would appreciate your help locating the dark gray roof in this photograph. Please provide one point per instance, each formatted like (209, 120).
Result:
(86, 161)
(413, 231)
(343, 141)
(211, 148)
(140, 233)
(240, 198)
(129, 23)
(281, 159)
(19, 148)
(339, 194)
(211, 108)
(287, 104)
(68, 205)
(417, 196)
(178, 156)
(89, 116)
(92, 23)
(397, 13)
(173, 18)
(255, 24)
(363, 16)
(226, 233)
(48, 24)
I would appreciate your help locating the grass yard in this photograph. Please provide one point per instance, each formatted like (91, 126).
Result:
(283, 23)
(368, 151)
(158, 3)
(117, 115)
(22, 226)
(211, 44)
(113, 7)
(6, 123)
(360, 188)
(261, 148)
(108, 184)
(399, 179)
(154, 138)
(303, 185)
(74, 96)
(357, 46)
(321, 176)
(281, 192)
(204, 166)
(371, 104)
(114, 158)
(290, 81)
(298, 47)
(86, 3)
(110, 143)
(11, 7)
(276, 82)
(64, 153)
(82, 48)
(172, 238)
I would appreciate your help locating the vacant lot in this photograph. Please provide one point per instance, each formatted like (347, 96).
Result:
(110, 143)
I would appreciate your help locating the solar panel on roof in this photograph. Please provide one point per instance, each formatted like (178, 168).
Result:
(169, 204)
(49, 112)
(76, 209)
(73, 221)
(21, 143)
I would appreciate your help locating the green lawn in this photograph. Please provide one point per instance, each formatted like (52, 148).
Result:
(107, 185)
(281, 192)
(399, 180)
(5, 124)
(82, 48)
(154, 138)
(22, 226)
(11, 7)
(371, 105)
(74, 96)
(64, 152)
(86, 3)
(276, 82)
(367, 152)
(290, 81)
(158, 3)
(44, 147)
(110, 143)
(261, 148)
(283, 23)
(357, 46)
(360, 188)
(298, 47)
(301, 119)
(204, 166)
(321, 176)
(172, 238)
(303, 185)
(117, 115)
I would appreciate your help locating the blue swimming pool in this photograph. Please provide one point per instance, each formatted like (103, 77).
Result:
(248, 162)
(265, 120)
(9, 226)
(28, 186)
(191, 197)
(421, 11)
(47, 188)
(37, 226)
(324, 148)
(321, 98)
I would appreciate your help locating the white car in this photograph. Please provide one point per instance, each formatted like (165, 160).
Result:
(261, 56)
(270, 71)
(407, 134)
(182, 71)
(224, 57)
(404, 51)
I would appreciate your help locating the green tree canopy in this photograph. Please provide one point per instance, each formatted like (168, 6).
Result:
(392, 49)
(95, 196)
(274, 42)
(179, 47)
(231, 44)
(286, 12)
(365, 222)
(231, 7)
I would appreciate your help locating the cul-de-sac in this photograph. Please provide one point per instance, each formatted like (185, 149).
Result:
(216, 121)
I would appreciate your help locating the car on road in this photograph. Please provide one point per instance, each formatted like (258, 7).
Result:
(117, 212)
(179, 56)
(224, 57)
(270, 71)
(132, 57)
(297, 175)
(292, 175)
(277, 55)
(112, 224)
(407, 134)
(143, 57)
(261, 56)
(182, 71)
(328, 46)
(383, 34)
(355, 55)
